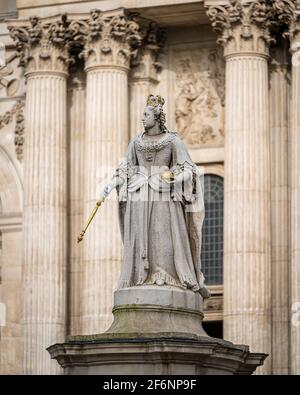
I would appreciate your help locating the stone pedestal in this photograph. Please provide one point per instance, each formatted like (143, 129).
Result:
(156, 330)
(157, 310)
(155, 356)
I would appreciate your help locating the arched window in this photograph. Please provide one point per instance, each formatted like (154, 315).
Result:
(212, 232)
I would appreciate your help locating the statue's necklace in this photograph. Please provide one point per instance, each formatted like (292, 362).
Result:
(148, 146)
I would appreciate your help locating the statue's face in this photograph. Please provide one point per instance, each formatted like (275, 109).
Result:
(148, 118)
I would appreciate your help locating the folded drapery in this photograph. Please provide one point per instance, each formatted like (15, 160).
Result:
(161, 221)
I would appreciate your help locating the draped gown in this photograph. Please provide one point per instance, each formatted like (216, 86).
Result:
(160, 222)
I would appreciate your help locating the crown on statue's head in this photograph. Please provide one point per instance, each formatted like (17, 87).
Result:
(155, 101)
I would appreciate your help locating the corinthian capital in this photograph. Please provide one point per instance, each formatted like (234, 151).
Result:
(107, 39)
(146, 63)
(288, 12)
(244, 26)
(42, 44)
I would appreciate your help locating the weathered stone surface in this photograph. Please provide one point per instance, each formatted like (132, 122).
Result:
(156, 330)
(155, 356)
(153, 309)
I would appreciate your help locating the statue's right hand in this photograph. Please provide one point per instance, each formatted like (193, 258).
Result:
(116, 181)
(105, 192)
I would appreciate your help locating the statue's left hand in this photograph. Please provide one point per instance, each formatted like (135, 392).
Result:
(168, 176)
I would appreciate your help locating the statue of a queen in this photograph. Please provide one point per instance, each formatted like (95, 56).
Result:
(161, 208)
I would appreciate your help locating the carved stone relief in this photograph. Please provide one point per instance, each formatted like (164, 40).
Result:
(199, 96)
(11, 77)
(16, 112)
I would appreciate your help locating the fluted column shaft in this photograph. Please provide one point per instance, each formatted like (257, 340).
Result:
(107, 42)
(143, 77)
(142, 82)
(44, 219)
(139, 89)
(42, 51)
(247, 298)
(106, 142)
(76, 170)
(289, 13)
(279, 109)
(295, 209)
(247, 201)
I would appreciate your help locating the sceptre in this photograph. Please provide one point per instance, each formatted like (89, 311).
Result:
(98, 204)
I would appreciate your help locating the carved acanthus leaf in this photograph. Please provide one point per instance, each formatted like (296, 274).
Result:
(288, 12)
(154, 41)
(39, 39)
(35, 30)
(117, 36)
(20, 36)
(146, 62)
(242, 20)
(99, 37)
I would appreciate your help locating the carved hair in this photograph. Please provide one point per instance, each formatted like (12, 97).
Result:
(156, 103)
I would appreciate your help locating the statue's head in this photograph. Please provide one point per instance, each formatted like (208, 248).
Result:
(154, 114)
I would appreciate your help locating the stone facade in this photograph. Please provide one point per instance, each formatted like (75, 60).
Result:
(74, 77)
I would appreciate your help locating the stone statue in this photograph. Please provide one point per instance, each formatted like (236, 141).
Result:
(161, 208)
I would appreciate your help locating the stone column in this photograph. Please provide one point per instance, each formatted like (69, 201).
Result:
(140, 86)
(247, 230)
(41, 47)
(107, 52)
(143, 76)
(289, 13)
(76, 172)
(279, 109)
